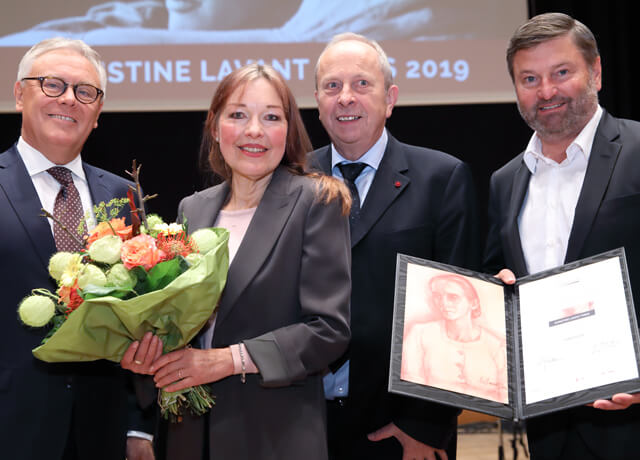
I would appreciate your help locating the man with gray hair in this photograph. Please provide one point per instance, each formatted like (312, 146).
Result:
(406, 199)
(574, 192)
(70, 411)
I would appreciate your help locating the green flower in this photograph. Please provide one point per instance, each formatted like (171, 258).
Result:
(58, 263)
(106, 249)
(205, 239)
(154, 223)
(119, 276)
(36, 310)
(91, 275)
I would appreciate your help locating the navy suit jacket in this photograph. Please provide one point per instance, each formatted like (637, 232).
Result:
(43, 404)
(606, 217)
(421, 203)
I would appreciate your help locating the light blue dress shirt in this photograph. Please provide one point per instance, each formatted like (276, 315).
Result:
(336, 385)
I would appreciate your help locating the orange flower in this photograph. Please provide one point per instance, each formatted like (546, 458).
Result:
(103, 229)
(70, 297)
(172, 245)
(141, 251)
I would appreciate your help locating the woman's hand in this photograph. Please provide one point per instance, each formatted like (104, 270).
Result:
(190, 367)
(140, 355)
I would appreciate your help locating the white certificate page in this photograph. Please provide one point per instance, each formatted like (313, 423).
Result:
(576, 331)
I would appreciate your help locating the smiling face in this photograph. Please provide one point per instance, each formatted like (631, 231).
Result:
(57, 126)
(557, 90)
(352, 101)
(252, 130)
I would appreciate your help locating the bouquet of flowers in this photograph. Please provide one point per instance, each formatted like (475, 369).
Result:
(126, 281)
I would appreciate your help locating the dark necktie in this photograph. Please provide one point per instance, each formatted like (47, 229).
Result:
(67, 209)
(350, 172)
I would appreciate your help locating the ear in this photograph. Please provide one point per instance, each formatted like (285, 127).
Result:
(392, 98)
(95, 123)
(18, 93)
(315, 94)
(596, 70)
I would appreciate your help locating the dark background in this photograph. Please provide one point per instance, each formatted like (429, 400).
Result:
(484, 135)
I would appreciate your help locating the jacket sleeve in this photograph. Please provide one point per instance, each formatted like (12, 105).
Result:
(290, 353)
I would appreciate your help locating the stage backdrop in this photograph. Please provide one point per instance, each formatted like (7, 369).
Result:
(170, 54)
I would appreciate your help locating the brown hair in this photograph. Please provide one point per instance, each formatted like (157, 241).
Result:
(297, 144)
(545, 27)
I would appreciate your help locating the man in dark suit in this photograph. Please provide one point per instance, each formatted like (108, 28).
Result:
(409, 200)
(55, 411)
(574, 192)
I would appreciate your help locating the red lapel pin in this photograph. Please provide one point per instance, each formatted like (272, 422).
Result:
(397, 184)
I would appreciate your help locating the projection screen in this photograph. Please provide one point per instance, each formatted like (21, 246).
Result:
(170, 54)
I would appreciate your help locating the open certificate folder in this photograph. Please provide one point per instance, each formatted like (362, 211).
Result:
(556, 339)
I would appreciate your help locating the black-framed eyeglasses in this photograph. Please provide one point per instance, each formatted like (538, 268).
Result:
(56, 87)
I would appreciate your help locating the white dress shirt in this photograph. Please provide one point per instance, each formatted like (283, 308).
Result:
(47, 187)
(548, 209)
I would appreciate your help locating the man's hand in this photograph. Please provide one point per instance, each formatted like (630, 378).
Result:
(618, 401)
(139, 449)
(411, 448)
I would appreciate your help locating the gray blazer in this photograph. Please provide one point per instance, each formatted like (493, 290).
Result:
(287, 299)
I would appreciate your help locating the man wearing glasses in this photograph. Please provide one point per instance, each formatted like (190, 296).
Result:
(69, 411)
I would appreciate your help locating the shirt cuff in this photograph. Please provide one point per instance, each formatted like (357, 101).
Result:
(249, 366)
(139, 434)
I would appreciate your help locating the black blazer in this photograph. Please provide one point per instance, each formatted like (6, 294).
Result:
(39, 399)
(606, 217)
(421, 203)
(287, 299)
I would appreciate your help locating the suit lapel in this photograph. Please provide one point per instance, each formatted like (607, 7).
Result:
(264, 230)
(23, 198)
(512, 232)
(388, 183)
(604, 154)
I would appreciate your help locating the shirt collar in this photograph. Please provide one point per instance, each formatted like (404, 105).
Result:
(581, 144)
(37, 163)
(372, 157)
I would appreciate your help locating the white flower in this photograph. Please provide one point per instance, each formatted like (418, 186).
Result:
(119, 276)
(58, 263)
(106, 249)
(205, 239)
(91, 274)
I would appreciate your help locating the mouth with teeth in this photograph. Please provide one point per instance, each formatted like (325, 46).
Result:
(349, 117)
(62, 117)
(253, 150)
(550, 106)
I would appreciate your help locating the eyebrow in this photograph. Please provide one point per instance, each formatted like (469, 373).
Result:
(239, 104)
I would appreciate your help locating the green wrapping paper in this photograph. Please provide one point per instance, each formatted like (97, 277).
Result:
(104, 327)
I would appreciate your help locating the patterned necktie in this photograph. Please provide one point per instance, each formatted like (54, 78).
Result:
(350, 172)
(67, 209)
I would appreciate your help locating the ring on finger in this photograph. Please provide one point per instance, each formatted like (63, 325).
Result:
(180, 374)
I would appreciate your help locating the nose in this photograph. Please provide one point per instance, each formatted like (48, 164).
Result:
(254, 128)
(68, 97)
(547, 89)
(346, 96)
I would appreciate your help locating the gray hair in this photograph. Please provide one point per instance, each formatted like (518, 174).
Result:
(547, 26)
(385, 67)
(60, 43)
